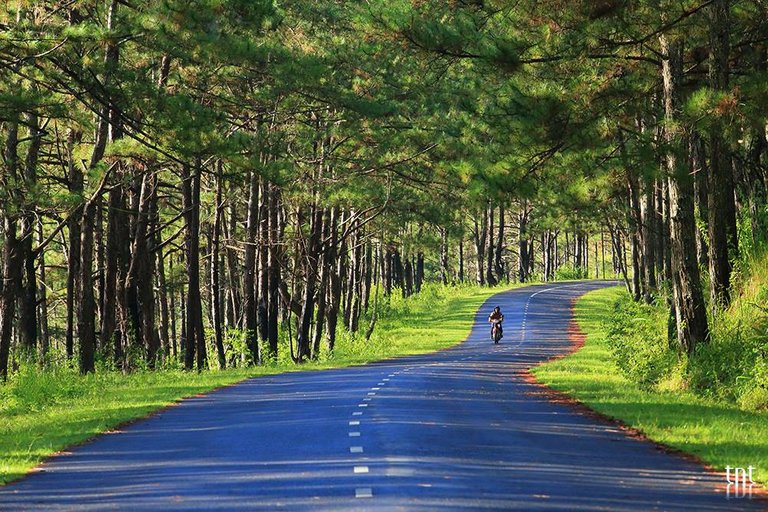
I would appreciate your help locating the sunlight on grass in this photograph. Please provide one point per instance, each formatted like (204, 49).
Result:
(45, 412)
(718, 432)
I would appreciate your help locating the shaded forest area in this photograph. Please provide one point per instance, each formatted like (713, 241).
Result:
(194, 182)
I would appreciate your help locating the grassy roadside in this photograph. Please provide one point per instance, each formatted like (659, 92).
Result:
(42, 413)
(718, 432)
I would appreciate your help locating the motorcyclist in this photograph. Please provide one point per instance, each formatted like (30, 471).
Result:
(495, 319)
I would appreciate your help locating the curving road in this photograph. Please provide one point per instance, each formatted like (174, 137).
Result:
(456, 430)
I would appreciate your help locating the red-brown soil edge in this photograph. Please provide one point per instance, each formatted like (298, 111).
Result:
(577, 338)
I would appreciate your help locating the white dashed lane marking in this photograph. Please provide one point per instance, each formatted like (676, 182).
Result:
(354, 434)
(359, 413)
(364, 492)
(354, 423)
(355, 449)
(361, 469)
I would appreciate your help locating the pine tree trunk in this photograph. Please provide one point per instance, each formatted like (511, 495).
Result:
(444, 256)
(647, 212)
(690, 312)
(234, 292)
(303, 334)
(334, 290)
(419, 275)
(162, 290)
(86, 317)
(138, 283)
(490, 250)
(45, 338)
(701, 193)
(481, 232)
(274, 277)
(499, 261)
(194, 350)
(249, 269)
(27, 327)
(114, 273)
(723, 241)
(216, 309)
(322, 292)
(75, 184)
(11, 274)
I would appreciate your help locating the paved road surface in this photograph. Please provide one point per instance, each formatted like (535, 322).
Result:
(457, 430)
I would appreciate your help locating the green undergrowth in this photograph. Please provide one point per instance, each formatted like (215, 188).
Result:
(628, 371)
(42, 412)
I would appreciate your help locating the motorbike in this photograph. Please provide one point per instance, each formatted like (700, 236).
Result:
(496, 332)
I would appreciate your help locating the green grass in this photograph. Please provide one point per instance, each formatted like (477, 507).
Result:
(718, 432)
(43, 412)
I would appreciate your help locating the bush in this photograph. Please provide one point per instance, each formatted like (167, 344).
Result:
(637, 336)
(569, 272)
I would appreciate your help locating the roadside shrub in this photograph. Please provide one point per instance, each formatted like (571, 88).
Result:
(569, 272)
(637, 336)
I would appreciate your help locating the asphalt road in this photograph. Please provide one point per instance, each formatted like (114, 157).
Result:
(456, 430)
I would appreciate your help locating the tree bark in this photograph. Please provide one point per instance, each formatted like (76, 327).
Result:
(690, 311)
(249, 269)
(86, 317)
(27, 328)
(723, 241)
(75, 185)
(490, 251)
(216, 309)
(194, 349)
(12, 257)
(499, 257)
(334, 291)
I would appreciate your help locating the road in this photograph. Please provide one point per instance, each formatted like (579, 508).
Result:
(457, 430)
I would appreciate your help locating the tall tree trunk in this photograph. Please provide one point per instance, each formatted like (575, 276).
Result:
(523, 255)
(369, 274)
(86, 311)
(139, 290)
(690, 311)
(249, 269)
(701, 193)
(322, 292)
(45, 338)
(419, 275)
(444, 270)
(723, 241)
(334, 290)
(28, 308)
(11, 274)
(648, 217)
(490, 251)
(194, 349)
(75, 185)
(216, 309)
(275, 255)
(162, 290)
(116, 256)
(308, 302)
(480, 233)
(499, 261)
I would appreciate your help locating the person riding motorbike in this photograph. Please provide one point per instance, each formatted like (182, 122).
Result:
(495, 319)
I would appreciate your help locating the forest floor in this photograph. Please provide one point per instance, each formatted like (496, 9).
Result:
(44, 412)
(718, 433)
